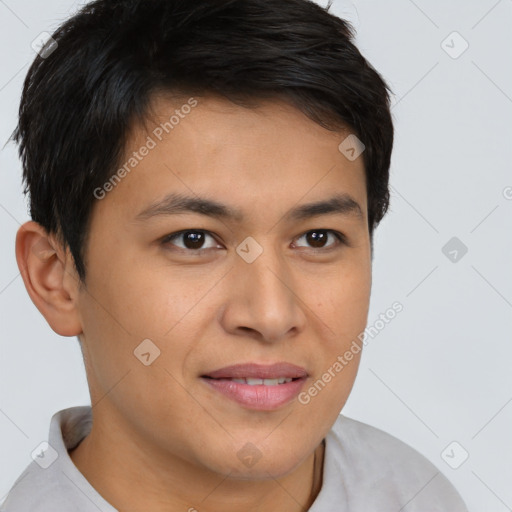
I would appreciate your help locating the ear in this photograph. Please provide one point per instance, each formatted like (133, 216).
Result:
(50, 278)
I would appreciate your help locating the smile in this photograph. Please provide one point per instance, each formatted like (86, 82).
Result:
(257, 394)
(265, 382)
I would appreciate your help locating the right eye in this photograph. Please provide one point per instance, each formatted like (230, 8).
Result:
(192, 240)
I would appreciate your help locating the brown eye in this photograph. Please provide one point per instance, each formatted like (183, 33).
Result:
(318, 238)
(192, 240)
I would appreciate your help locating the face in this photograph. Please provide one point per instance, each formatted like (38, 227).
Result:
(178, 292)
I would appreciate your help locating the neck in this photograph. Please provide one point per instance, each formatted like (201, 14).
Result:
(129, 478)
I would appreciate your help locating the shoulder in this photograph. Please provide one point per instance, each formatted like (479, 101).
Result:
(51, 481)
(36, 490)
(388, 470)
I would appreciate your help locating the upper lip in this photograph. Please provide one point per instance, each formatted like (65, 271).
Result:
(258, 371)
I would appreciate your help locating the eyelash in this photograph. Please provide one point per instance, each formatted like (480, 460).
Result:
(340, 237)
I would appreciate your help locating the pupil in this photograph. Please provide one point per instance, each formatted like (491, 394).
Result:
(316, 237)
(194, 239)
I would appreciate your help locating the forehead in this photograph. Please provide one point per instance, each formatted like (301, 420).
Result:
(260, 157)
(270, 115)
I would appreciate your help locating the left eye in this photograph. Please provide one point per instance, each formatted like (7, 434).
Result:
(193, 240)
(318, 238)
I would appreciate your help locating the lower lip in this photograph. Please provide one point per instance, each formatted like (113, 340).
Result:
(258, 397)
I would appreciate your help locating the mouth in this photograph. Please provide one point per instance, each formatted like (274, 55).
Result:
(258, 382)
(258, 387)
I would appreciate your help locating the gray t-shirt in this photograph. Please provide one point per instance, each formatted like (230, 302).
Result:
(365, 470)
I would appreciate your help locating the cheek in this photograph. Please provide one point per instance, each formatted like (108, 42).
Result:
(343, 301)
(343, 307)
(120, 313)
(143, 301)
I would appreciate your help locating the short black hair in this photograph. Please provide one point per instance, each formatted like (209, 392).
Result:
(110, 59)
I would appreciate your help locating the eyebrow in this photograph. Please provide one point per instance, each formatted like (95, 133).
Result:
(173, 204)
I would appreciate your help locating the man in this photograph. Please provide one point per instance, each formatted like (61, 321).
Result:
(205, 179)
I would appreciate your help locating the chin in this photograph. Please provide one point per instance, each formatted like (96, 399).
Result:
(251, 462)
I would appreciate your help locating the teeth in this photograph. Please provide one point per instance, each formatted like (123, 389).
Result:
(265, 382)
(254, 382)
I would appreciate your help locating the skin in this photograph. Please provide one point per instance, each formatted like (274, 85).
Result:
(161, 438)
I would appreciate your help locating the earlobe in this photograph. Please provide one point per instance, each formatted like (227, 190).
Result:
(49, 277)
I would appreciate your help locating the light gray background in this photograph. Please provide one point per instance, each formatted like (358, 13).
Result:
(440, 371)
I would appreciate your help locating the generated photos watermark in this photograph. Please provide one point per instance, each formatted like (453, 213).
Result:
(151, 142)
(343, 360)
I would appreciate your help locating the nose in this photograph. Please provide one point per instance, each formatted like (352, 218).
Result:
(264, 299)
